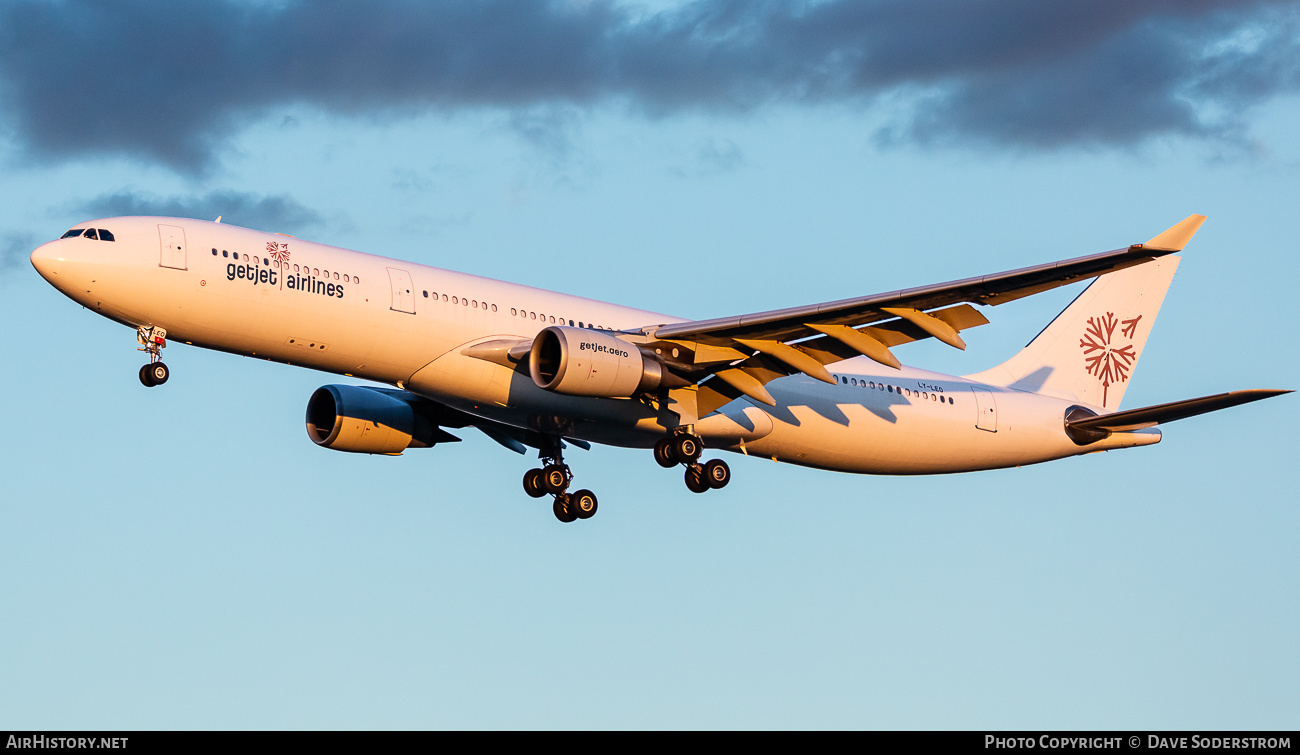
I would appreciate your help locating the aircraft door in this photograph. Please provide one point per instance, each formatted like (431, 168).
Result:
(986, 417)
(172, 242)
(403, 291)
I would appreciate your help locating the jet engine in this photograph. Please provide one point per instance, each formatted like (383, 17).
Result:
(582, 362)
(369, 421)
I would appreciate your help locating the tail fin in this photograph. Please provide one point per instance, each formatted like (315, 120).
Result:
(1090, 350)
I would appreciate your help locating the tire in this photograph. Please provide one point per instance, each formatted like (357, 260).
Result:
(695, 481)
(563, 511)
(664, 456)
(687, 448)
(555, 478)
(717, 474)
(533, 483)
(583, 504)
(159, 373)
(144, 376)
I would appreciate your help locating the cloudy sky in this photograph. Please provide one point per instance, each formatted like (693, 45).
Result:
(184, 557)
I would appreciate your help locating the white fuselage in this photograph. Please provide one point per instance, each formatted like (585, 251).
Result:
(340, 311)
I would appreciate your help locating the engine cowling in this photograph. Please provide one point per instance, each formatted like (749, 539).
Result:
(366, 421)
(582, 362)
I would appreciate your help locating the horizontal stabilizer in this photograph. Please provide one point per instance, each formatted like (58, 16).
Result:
(1150, 416)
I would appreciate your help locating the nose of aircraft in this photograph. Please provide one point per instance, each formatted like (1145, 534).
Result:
(45, 260)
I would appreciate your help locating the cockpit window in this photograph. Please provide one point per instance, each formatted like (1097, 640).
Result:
(98, 234)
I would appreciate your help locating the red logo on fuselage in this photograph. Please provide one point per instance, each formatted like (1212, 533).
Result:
(279, 252)
(1102, 357)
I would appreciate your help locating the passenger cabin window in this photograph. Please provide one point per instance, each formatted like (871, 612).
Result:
(73, 232)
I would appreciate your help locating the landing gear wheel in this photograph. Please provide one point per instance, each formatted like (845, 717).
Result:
(158, 373)
(533, 483)
(664, 455)
(563, 510)
(695, 481)
(717, 474)
(583, 504)
(686, 448)
(555, 478)
(144, 376)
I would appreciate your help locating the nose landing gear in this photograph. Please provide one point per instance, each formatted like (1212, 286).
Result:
(685, 448)
(153, 340)
(154, 374)
(553, 479)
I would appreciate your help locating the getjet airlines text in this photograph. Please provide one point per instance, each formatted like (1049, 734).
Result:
(256, 275)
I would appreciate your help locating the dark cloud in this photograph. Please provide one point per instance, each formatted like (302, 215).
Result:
(268, 213)
(170, 82)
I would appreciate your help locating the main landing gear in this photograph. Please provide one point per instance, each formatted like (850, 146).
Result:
(153, 340)
(553, 479)
(685, 448)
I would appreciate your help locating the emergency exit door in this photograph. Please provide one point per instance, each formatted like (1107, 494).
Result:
(172, 240)
(403, 293)
(987, 410)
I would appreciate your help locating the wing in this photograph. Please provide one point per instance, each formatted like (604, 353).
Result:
(733, 356)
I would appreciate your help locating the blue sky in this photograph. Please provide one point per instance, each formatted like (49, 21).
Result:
(184, 557)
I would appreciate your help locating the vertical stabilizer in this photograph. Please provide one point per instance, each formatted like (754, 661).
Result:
(1089, 352)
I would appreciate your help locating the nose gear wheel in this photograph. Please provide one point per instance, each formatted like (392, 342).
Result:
(153, 340)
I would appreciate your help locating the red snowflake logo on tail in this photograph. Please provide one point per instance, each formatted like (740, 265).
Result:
(1102, 358)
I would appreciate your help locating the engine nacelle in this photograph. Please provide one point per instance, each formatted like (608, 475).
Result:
(366, 421)
(582, 362)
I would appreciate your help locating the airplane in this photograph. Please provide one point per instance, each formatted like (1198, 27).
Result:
(816, 385)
